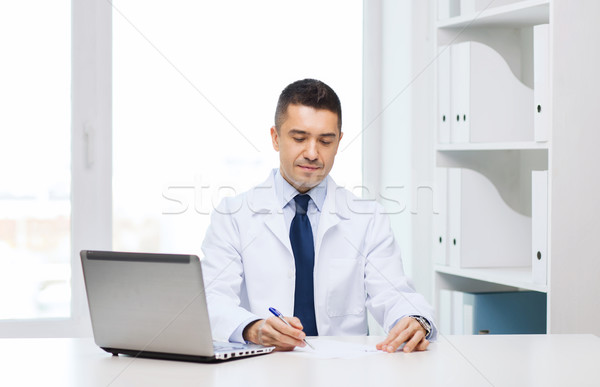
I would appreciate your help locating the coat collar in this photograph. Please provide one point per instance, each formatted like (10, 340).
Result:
(262, 200)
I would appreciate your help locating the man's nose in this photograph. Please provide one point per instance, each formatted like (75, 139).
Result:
(310, 152)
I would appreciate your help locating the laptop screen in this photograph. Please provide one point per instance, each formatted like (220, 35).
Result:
(147, 302)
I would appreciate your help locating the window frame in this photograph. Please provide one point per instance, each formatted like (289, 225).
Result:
(91, 162)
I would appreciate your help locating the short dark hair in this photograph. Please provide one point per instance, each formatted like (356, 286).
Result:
(308, 92)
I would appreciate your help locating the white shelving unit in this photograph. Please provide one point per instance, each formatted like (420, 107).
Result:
(517, 14)
(491, 146)
(509, 30)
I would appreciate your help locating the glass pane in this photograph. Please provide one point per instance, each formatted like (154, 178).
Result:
(195, 86)
(35, 79)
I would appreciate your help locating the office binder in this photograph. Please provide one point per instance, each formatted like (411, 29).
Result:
(458, 313)
(440, 217)
(454, 216)
(483, 230)
(443, 121)
(541, 82)
(460, 68)
(488, 102)
(539, 225)
(444, 308)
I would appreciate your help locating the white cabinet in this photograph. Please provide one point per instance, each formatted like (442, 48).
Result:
(522, 196)
(493, 165)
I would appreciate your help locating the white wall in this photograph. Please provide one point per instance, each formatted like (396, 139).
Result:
(398, 124)
(575, 188)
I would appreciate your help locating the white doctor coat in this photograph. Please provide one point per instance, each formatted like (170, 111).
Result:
(248, 264)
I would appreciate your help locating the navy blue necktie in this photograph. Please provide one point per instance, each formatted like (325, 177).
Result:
(301, 238)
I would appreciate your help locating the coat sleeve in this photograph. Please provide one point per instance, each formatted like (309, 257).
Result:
(223, 276)
(390, 294)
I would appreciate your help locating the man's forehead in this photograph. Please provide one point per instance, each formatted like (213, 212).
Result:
(299, 112)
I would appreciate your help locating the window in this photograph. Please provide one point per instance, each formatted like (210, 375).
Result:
(192, 89)
(195, 86)
(35, 209)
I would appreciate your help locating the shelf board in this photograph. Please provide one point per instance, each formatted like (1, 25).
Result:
(519, 277)
(519, 14)
(492, 146)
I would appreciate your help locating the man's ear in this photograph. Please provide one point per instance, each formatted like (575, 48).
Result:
(275, 138)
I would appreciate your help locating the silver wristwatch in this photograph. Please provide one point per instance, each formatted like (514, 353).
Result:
(424, 323)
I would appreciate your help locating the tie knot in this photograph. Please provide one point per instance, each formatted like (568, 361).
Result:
(301, 203)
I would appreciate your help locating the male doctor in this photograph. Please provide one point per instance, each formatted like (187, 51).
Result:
(307, 247)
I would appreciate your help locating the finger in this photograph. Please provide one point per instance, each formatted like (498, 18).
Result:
(398, 341)
(423, 345)
(414, 341)
(295, 322)
(275, 332)
(412, 327)
(394, 332)
(292, 331)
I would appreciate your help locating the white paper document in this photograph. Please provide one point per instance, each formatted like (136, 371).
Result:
(333, 349)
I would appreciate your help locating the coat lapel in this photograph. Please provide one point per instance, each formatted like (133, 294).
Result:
(334, 210)
(263, 202)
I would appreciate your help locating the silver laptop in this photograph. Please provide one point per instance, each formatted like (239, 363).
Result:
(153, 305)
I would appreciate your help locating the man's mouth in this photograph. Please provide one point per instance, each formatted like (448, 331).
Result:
(309, 167)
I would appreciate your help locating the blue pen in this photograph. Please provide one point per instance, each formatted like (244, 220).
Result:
(278, 314)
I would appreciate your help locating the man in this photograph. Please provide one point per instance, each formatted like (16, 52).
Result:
(303, 245)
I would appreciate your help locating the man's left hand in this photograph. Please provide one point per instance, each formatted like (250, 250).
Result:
(409, 331)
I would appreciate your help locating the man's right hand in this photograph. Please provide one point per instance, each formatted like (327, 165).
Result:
(274, 332)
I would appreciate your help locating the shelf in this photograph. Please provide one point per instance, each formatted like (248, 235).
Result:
(520, 14)
(491, 146)
(519, 277)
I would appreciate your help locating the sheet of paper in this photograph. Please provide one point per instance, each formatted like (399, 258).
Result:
(333, 349)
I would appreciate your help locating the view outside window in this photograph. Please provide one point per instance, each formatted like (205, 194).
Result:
(35, 154)
(195, 84)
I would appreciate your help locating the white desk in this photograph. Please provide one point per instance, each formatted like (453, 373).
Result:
(544, 360)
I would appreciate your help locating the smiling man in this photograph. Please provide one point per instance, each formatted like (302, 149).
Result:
(302, 244)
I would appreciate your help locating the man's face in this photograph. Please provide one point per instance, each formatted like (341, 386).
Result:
(307, 143)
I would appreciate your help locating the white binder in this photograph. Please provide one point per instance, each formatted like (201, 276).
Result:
(483, 230)
(440, 217)
(445, 312)
(462, 313)
(539, 225)
(460, 68)
(443, 120)
(488, 102)
(541, 82)
(454, 216)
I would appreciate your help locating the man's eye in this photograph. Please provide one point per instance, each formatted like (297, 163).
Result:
(325, 142)
(298, 139)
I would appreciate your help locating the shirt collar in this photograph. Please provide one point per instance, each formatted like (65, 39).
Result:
(285, 192)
